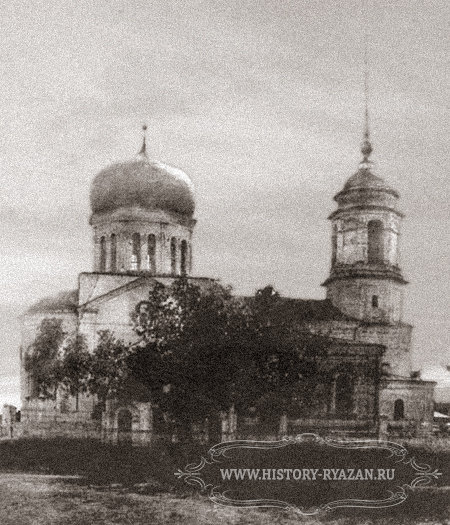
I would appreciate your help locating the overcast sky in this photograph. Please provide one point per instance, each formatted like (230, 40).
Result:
(259, 101)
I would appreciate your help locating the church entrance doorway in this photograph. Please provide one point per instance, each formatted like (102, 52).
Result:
(124, 426)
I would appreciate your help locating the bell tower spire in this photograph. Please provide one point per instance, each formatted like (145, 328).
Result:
(366, 146)
(365, 280)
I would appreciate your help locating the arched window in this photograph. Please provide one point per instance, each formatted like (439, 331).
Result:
(344, 394)
(113, 266)
(375, 242)
(136, 253)
(173, 255)
(184, 256)
(399, 409)
(102, 254)
(334, 245)
(151, 252)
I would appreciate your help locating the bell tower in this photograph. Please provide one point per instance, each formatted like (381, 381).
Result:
(365, 280)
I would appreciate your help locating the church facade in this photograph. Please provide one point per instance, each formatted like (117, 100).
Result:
(143, 224)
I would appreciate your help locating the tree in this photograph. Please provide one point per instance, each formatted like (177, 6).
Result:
(43, 360)
(201, 350)
(204, 350)
(107, 373)
(76, 362)
(186, 353)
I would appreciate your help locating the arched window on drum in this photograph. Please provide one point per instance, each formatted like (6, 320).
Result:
(184, 257)
(136, 252)
(173, 256)
(151, 253)
(103, 254)
(113, 260)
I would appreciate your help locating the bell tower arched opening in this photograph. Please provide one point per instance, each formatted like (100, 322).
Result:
(375, 242)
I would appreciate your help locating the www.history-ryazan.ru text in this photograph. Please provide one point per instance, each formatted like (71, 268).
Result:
(307, 474)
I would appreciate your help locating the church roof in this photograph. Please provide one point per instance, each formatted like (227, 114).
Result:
(295, 310)
(66, 301)
(311, 309)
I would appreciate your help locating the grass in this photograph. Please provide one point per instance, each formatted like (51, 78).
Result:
(27, 497)
(98, 463)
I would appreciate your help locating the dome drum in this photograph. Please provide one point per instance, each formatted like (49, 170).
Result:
(158, 248)
(136, 213)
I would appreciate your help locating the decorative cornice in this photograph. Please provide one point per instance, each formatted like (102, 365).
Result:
(359, 207)
(365, 271)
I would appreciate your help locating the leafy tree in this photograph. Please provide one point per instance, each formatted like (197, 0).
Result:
(76, 362)
(201, 350)
(43, 358)
(107, 372)
(186, 354)
(204, 350)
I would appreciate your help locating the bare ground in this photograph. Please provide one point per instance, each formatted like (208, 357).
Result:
(30, 499)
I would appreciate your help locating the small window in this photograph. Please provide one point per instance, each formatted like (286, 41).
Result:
(374, 301)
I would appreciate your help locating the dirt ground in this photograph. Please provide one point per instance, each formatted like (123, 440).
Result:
(30, 499)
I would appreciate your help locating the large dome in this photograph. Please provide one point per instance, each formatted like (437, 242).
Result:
(143, 183)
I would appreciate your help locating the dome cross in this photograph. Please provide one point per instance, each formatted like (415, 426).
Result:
(143, 150)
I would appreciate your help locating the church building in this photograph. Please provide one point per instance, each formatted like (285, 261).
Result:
(143, 224)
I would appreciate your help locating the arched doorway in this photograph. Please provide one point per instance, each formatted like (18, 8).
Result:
(124, 426)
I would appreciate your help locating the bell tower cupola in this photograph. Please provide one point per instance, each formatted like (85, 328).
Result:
(365, 280)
